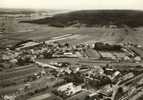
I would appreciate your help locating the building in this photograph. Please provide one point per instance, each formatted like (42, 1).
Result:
(69, 89)
(107, 55)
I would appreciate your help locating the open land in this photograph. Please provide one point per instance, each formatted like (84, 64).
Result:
(74, 62)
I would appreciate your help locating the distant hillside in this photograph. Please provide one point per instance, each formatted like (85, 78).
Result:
(16, 11)
(89, 18)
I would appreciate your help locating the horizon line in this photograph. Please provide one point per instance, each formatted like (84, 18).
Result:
(73, 9)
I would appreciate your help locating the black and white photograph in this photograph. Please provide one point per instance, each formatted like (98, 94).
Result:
(71, 49)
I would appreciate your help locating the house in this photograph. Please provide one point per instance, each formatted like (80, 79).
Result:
(69, 89)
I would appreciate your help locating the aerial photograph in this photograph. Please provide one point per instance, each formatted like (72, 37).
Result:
(71, 50)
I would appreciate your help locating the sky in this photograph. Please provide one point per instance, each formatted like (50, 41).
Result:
(73, 4)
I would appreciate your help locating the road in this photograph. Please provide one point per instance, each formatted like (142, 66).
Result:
(40, 97)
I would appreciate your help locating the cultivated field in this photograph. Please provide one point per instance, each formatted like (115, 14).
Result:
(87, 34)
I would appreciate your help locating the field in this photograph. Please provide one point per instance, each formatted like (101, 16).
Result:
(41, 32)
(14, 78)
(87, 34)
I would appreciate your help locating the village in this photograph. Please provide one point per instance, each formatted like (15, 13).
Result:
(32, 70)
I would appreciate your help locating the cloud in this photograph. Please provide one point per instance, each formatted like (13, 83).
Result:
(73, 4)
